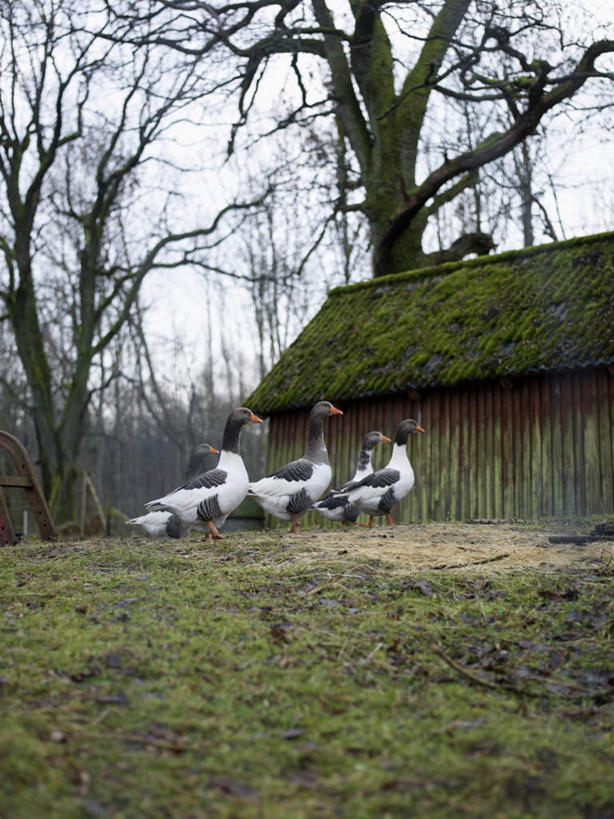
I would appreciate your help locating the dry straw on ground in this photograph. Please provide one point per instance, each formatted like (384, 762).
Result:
(476, 547)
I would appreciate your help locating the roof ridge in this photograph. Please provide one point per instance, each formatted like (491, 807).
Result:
(432, 271)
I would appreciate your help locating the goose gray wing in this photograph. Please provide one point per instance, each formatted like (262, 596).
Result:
(300, 470)
(379, 479)
(345, 487)
(206, 480)
(332, 501)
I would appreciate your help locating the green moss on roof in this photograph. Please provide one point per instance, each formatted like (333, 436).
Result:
(549, 307)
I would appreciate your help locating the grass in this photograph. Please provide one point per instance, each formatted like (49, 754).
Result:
(232, 680)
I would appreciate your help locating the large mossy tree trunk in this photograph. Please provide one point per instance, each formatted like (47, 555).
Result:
(386, 140)
(477, 54)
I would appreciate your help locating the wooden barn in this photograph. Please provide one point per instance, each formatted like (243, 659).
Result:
(506, 360)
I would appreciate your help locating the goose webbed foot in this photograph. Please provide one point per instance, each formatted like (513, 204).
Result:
(213, 532)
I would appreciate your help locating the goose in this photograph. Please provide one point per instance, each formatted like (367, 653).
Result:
(289, 492)
(206, 501)
(377, 493)
(336, 505)
(165, 524)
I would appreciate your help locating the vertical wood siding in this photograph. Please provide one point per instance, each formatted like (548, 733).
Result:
(541, 446)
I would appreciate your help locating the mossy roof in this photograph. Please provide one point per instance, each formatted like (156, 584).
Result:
(549, 307)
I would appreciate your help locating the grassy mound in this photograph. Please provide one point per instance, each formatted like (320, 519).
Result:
(264, 676)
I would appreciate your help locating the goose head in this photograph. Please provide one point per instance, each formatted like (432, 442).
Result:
(374, 438)
(405, 429)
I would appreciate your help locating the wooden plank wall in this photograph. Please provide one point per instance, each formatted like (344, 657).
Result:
(541, 446)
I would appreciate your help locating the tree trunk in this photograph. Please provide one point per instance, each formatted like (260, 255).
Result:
(385, 140)
(407, 253)
(58, 450)
(525, 185)
(58, 440)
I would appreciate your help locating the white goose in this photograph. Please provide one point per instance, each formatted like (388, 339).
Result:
(206, 501)
(289, 492)
(336, 505)
(377, 493)
(165, 524)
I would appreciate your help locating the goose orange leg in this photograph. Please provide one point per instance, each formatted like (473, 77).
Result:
(295, 524)
(370, 521)
(390, 520)
(213, 531)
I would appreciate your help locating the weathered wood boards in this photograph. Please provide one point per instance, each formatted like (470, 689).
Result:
(529, 447)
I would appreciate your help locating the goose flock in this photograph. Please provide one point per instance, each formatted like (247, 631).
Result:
(206, 498)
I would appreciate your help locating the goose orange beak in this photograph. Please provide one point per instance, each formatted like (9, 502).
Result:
(213, 451)
(254, 419)
(419, 428)
(386, 439)
(335, 411)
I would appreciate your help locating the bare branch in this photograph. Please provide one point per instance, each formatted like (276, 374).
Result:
(539, 102)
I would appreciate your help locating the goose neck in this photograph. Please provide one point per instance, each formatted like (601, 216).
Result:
(399, 455)
(364, 461)
(316, 448)
(232, 436)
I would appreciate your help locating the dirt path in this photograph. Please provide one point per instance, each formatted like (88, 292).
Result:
(480, 548)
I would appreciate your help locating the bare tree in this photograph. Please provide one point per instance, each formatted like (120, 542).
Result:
(273, 249)
(388, 66)
(507, 197)
(80, 119)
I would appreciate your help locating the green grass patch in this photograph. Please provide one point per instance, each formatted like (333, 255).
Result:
(235, 680)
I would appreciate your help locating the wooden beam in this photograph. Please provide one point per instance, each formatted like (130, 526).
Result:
(16, 480)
